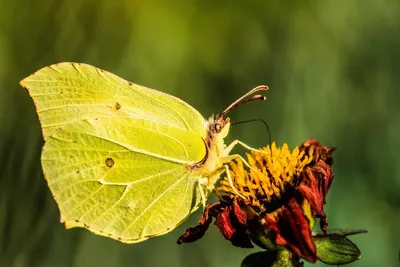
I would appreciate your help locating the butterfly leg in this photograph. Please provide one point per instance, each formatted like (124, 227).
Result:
(229, 158)
(228, 174)
(229, 148)
(202, 182)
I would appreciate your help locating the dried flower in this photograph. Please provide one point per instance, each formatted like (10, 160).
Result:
(272, 202)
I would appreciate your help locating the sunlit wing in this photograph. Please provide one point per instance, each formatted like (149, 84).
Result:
(113, 191)
(116, 154)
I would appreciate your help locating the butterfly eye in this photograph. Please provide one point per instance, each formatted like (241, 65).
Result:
(217, 127)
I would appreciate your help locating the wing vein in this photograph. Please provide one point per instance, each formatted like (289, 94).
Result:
(113, 206)
(152, 203)
(154, 99)
(136, 150)
(83, 201)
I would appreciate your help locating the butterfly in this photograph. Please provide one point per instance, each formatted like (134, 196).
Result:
(122, 160)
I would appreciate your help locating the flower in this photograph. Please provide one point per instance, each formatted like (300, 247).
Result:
(273, 200)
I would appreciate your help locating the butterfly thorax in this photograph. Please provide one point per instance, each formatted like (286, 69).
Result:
(211, 165)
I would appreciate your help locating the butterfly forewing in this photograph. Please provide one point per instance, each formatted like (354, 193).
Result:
(116, 154)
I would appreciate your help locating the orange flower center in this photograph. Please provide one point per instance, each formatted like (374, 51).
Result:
(271, 170)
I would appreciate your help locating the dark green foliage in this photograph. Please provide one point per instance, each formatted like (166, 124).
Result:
(336, 249)
(262, 258)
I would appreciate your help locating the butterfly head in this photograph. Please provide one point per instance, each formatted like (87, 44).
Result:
(217, 129)
(218, 126)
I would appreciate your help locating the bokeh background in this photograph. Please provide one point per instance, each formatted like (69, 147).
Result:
(333, 69)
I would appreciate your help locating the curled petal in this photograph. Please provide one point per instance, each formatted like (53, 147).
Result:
(325, 173)
(232, 224)
(313, 148)
(224, 223)
(240, 214)
(197, 232)
(314, 187)
(292, 230)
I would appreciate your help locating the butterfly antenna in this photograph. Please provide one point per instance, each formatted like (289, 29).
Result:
(244, 99)
(266, 125)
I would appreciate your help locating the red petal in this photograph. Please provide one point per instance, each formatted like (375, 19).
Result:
(326, 175)
(292, 230)
(197, 232)
(314, 187)
(231, 228)
(240, 214)
(313, 148)
(224, 224)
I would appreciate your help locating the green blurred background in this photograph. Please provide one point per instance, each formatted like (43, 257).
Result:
(331, 67)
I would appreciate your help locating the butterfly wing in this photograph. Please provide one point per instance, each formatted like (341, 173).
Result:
(68, 92)
(116, 154)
